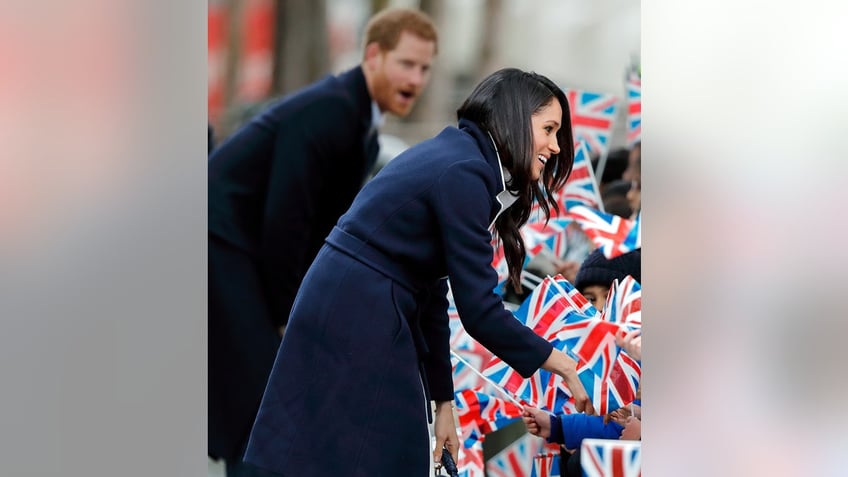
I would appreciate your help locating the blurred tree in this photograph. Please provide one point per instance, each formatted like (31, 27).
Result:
(300, 44)
(434, 102)
(487, 59)
(377, 5)
(232, 62)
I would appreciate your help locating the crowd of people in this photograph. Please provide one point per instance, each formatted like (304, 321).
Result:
(620, 189)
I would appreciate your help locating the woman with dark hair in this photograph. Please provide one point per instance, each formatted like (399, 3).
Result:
(367, 344)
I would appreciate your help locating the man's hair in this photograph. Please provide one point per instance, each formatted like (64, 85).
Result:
(385, 27)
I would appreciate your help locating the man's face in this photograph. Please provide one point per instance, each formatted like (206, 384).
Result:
(398, 76)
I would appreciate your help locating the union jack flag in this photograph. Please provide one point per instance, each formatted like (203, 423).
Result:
(461, 342)
(539, 390)
(634, 108)
(516, 460)
(624, 303)
(533, 310)
(624, 379)
(500, 265)
(480, 414)
(581, 188)
(623, 311)
(550, 236)
(575, 298)
(557, 312)
(468, 356)
(470, 463)
(553, 313)
(579, 332)
(467, 375)
(618, 373)
(546, 464)
(591, 117)
(614, 235)
(611, 458)
(539, 312)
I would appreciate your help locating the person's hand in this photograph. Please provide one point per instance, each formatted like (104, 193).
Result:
(621, 414)
(538, 422)
(445, 430)
(632, 429)
(559, 363)
(568, 269)
(631, 342)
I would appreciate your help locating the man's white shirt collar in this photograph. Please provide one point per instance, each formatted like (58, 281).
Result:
(377, 118)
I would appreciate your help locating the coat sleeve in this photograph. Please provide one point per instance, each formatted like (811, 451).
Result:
(307, 147)
(463, 207)
(576, 427)
(435, 327)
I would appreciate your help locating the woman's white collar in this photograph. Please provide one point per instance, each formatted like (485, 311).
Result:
(505, 198)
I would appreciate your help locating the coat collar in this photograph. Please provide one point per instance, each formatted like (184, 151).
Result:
(487, 146)
(354, 81)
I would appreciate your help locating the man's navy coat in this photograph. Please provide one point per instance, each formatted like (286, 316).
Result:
(345, 396)
(276, 188)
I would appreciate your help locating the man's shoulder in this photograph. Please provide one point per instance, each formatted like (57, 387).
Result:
(331, 95)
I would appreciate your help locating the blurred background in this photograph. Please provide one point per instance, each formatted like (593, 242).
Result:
(261, 49)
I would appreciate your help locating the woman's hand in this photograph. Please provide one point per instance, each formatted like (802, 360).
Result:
(538, 422)
(444, 427)
(559, 363)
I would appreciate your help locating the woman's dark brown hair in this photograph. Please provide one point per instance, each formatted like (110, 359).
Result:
(503, 104)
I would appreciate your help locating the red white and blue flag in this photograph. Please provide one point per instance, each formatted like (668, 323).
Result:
(516, 460)
(622, 312)
(550, 236)
(615, 376)
(466, 375)
(614, 235)
(592, 117)
(557, 312)
(501, 266)
(480, 414)
(470, 463)
(611, 458)
(634, 108)
(624, 303)
(468, 356)
(581, 188)
(546, 464)
(554, 314)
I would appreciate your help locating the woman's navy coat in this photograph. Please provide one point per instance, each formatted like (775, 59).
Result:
(345, 396)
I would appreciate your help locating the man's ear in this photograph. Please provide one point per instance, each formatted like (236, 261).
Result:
(372, 54)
